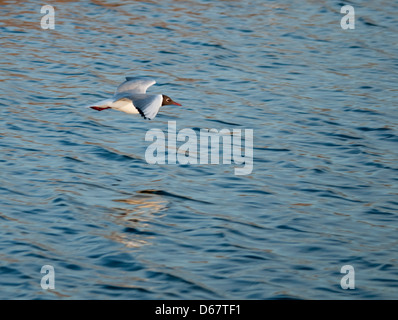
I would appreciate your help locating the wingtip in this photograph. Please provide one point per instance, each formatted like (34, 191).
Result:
(129, 78)
(142, 113)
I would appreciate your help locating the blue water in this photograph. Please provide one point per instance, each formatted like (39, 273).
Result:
(77, 193)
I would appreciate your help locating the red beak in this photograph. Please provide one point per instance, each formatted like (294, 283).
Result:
(177, 104)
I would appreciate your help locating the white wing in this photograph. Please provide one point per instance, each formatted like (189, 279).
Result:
(147, 105)
(135, 85)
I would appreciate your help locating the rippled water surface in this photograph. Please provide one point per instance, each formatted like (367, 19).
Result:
(77, 192)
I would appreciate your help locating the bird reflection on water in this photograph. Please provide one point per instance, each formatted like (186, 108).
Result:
(135, 215)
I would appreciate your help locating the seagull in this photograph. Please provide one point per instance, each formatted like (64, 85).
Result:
(131, 97)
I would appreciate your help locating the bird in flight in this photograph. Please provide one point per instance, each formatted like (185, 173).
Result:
(131, 97)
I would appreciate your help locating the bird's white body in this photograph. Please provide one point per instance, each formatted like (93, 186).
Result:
(127, 108)
(130, 97)
(124, 105)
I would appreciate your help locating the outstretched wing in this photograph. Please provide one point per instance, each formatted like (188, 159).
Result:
(135, 85)
(148, 106)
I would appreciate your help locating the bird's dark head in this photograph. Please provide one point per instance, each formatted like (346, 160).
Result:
(167, 100)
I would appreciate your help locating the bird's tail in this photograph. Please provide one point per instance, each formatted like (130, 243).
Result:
(101, 105)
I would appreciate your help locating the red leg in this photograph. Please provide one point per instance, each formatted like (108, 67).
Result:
(99, 109)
